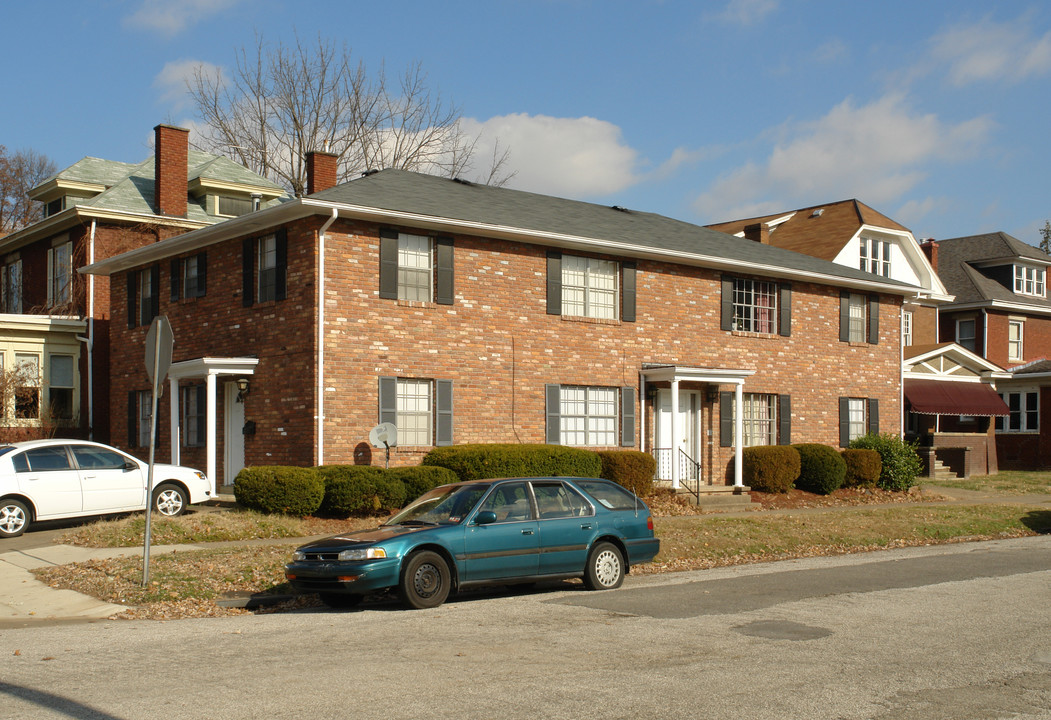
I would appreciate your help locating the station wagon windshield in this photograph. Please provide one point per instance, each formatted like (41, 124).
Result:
(447, 505)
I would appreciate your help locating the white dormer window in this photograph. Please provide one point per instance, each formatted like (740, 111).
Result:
(875, 256)
(1029, 280)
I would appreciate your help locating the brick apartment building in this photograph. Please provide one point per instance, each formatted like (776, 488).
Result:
(54, 322)
(467, 313)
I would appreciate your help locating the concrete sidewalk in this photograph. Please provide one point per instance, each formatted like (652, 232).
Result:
(24, 600)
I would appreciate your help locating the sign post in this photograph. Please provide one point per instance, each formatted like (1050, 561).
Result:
(159, 344)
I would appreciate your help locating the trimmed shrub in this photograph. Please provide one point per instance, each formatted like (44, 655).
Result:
(474, 462)
(821, 469)
(901, 464)
(629, 468)
(421, 478)
(863, 467)
(278, 489)
(770, 468)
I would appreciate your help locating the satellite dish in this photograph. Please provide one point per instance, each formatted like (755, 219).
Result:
(384, 435)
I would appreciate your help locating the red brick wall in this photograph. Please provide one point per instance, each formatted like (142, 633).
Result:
(171, 149)
(496, 343)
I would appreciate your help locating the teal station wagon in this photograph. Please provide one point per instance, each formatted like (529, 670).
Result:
(484, 532)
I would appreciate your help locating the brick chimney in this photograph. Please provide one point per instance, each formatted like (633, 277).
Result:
(759, 232)
(321, 171)
(171, 147)
(930, 249)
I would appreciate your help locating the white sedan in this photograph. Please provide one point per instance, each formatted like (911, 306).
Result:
(54, 479)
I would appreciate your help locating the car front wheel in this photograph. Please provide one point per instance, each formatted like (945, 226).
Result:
(605, 568)
(14, 518)
(425, 580)
(170, 500)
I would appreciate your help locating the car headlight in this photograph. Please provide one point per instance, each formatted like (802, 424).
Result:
(201, 475)
(299, 556)
(370, 553)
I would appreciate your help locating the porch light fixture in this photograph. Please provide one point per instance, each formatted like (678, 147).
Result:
(242, 389)
(712, 394)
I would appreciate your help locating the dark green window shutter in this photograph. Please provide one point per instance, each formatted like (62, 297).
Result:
(784, 419)
(133, 419)
(202, 273)
(175, 277)
(445, 290)
(627, 312)
(444, 409)
(248, 272)
(553, 402)
(554, 284)
(133, 291)
(388, 400)
(873, 416)
(784, 322)
(844, 316)
(873, 319)
(726, 304)
(281, 264)
(627, 417)
(844, 422)
(155, 291)
(388, 264)
(726, 419)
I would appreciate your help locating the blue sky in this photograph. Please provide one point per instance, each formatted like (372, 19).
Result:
(934, 113)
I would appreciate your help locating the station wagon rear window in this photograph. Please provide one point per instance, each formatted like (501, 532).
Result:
(609, 495)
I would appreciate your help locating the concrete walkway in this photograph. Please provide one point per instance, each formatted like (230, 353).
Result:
(24, 600)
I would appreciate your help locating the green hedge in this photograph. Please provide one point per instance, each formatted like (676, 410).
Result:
(770, 468)
(863, 467)
(901, 464)
(421, 478)
(821, 469)
(474, 462)
(279, 489)
(629, 468)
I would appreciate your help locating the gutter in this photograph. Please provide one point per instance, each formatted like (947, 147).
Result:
(321, 338)
(89, 341)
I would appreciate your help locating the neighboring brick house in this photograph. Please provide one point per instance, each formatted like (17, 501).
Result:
(54, 323)
(1002, 313)
(949, 392)
(467, 313)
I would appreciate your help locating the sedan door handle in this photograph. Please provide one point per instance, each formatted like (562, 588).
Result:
(585, 526)
(527, 532)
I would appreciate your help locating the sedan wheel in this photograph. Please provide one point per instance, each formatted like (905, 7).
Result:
(605, 568)
(425, 581)
(14, 518)
(169, 500)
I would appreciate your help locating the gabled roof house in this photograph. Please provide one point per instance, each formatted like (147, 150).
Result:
(54, 333)
(465, 313)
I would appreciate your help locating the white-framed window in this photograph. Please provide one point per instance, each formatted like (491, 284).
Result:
(759, 420)
(194, 407)
(61, 382)
(1029, 280)
(754, 305)
(589, 287)
(415, 419)
(190, 280)
(27, 388)
(415, 268)
(59, 272)
(857, 318)
(1024, 405)
(266, 262)
(965, 334)
(906, 327)
(146, 294)
(857, 418)
(588, 416)
(875, 256)
(232, 206)
(11, 287)
(1015, 331)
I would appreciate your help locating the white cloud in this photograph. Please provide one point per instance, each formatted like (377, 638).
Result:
(992, 52)
(875, 152)
(747, 12)
(172, 79)
(570, 157)
(171, 18)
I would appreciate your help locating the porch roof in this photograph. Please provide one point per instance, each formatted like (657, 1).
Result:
(939, 397)
(202, 367)
(719, 376)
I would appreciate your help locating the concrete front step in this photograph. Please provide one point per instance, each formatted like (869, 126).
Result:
(720, 498)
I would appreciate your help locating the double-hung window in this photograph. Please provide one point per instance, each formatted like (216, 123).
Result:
(11, 287)
(416, 268)
(188, 276)
(1024, 406)
(858, 318)
(590, 416)
(140, 405)
(1029, 280)
(194, 404)
(965, 334)
(766, 419)
(27, 385)
(60, 273)
(857, 417)
(755, 305)
(421, 409)
(143, 296)
(1014, 340)
(906, 328)
(589, 287)
(265, 268)
(60, 386)
(875, 256)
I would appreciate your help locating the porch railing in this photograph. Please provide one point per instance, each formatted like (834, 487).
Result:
(689, 469)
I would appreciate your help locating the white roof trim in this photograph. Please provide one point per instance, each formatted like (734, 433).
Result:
(202, 367)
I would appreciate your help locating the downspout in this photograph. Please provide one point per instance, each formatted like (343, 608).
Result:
(321, 338)
(89, 341)
(985, 333)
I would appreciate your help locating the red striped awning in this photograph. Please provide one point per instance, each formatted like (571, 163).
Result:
(944, 397)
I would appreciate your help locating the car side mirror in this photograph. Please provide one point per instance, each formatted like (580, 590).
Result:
(485, 517)
(129, 466)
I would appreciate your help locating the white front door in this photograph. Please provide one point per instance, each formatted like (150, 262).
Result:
(233, 434)
(688, 426)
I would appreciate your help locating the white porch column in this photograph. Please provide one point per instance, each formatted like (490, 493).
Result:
(642, 412)
(173, 387)
(676, 435)
(210, 428)
(739, 435)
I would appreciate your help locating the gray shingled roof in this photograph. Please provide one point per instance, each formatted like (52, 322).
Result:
(409, 192)
(956, 259)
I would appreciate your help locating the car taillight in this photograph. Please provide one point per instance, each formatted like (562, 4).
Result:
(649, 522)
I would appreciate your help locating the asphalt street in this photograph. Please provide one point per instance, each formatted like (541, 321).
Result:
(958, 631)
